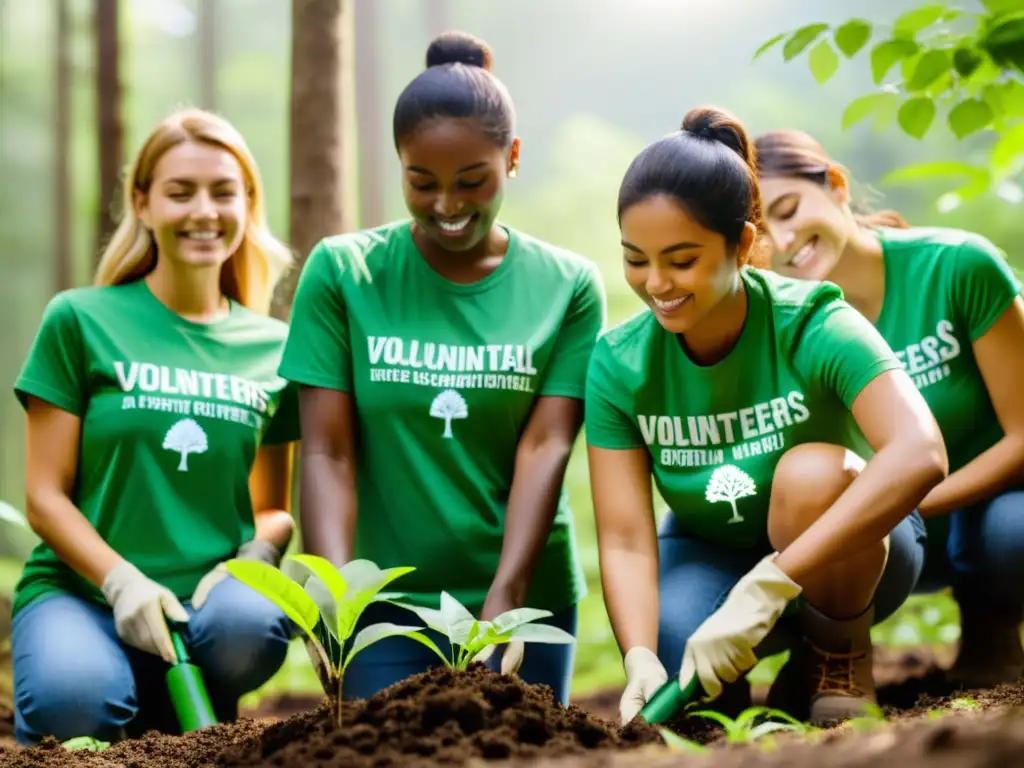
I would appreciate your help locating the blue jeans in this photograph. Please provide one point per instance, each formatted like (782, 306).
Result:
(395, 658)
(695, 577)
(982, 550)
(74, 677)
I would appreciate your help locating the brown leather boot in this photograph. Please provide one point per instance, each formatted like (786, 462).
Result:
(990, 645)
(837, 657)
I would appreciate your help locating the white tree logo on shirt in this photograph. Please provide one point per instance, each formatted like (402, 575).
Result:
(449, 405)
(729, 483)
(185, 437)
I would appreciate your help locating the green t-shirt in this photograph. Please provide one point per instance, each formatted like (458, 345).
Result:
(715, 433)
(444, 377)
(172, 413)
(944, 289)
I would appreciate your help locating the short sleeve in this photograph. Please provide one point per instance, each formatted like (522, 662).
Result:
(285, 426)
(318, 352)
(983, 286)
(585, 317)
(608, 419)
(839, 350)
(55, 369)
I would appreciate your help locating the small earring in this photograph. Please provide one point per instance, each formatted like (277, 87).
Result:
(512, 173)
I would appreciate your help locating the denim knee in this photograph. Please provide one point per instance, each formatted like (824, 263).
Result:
(238, 638)
(71, 675)
(985, 549)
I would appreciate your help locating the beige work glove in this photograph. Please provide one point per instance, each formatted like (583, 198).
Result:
(644, 676)
(139, 606)
(257, 549)
(722, 648)
(511, 660)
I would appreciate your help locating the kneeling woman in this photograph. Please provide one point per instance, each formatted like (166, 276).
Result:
(755, 401)
(159, 445)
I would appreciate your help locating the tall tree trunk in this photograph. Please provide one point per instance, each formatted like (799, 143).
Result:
(322, 126)
(109, 115)
(437, 17)
(370, 132)
(206, 42)
(63, 254)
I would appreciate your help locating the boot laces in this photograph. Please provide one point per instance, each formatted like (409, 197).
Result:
(837, 672)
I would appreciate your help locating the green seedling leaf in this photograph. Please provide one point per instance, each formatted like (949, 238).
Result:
(802, 38)
(852, 36)
(278, 589)
(87, 743)
(823, 61)
(677, 743)
(539, 633)
(365, 580)
(966, 61)
(325, 571)
(998, 7)
(915, 116)
(376, 632)
(886, 54)
(768, 45)
(969, 116)
(458, 619)
(327, 605)
(517, 617)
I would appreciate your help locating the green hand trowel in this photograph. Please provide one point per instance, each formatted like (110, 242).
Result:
(668, 700)
(188, 691)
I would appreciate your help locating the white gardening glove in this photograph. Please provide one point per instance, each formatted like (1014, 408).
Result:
(257, 549)
(510, 661)
(139, 606)
(723, 646)
(644, 676)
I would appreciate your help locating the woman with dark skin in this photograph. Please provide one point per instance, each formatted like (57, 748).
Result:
(442, 361)
(948, 303)
(788, 443)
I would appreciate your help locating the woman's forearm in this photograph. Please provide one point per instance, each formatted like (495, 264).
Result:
(629, 580)
(328, 507)
(64, 529)
(532, 503)
(891, 485)
(985, 476)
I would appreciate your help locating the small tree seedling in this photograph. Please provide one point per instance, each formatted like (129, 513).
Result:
(743, 728)
(316, 595)
(471, 636)
(85, 742)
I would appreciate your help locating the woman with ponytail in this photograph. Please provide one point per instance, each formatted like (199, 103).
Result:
(159, 445)
(948, 303)
(755, 402)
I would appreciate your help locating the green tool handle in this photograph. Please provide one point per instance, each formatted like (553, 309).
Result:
(188, 690)
(668, 700)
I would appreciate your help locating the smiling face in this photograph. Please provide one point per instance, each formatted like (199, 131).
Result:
(196, 205)
(681, 270)
(807, 224)
(454, 180)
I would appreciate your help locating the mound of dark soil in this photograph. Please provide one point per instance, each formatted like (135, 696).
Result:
(441, 717)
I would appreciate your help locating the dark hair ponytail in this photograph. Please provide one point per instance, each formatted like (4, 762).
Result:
(797, 154)
(707, 167)
(457, 83)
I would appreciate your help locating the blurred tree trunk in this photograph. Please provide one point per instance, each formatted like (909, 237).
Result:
(110, 121)
(437, 17)
(322, 128)
(64, 267)
(370, 132)
(206, 41)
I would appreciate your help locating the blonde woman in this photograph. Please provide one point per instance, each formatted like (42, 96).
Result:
(159, 444)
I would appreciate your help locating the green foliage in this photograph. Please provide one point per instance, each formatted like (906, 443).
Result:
(87, 743)
(755, 723)
(933, 59)
(677, 743)
(317, 596)
(471, 637)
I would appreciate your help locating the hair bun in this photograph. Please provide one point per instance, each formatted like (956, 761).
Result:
(715, 124)
(456, 47)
